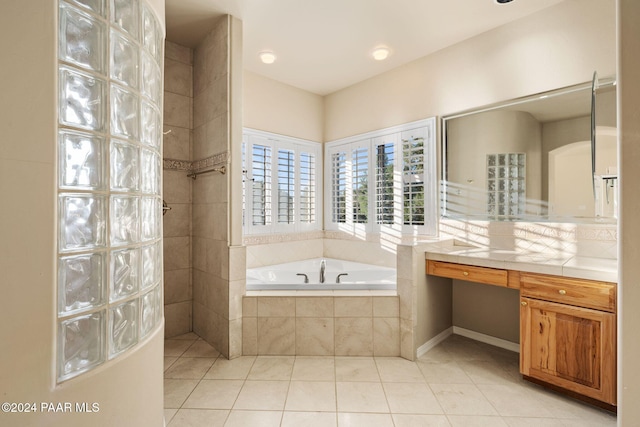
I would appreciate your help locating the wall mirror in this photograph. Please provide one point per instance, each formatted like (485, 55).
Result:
(530, 159)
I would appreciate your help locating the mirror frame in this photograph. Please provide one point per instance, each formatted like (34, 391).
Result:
(589, 86)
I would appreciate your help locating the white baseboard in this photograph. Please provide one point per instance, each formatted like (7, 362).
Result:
(434, 341)
(477, 336)
(487, 339)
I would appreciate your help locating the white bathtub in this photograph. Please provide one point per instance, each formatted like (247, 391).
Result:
(287, 276)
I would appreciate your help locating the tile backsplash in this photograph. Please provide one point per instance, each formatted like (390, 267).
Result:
(563, 239)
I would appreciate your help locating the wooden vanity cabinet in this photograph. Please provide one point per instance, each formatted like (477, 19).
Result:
(568, 334)
(567, 328)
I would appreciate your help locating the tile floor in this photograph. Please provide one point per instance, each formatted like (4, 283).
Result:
(459, 383)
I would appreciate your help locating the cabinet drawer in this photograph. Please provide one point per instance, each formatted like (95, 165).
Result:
(565, 290)
(489, 276)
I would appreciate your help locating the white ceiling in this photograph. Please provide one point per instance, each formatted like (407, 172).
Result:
(324, 45)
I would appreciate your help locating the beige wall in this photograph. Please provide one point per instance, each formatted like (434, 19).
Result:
(489, 310)
(629, 225)
(28, 246)
(262, 254)
(275, 107)
(559, 46)
(271, 106)
(176, 145)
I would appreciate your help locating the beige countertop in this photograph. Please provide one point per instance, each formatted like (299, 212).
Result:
(581, 267)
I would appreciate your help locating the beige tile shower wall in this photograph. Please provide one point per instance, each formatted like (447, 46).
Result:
(321, 326)
(178, 102)
(217, 282)
(210, 89)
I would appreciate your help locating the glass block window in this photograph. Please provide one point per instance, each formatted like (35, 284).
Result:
(280, 181)
(109, 269)
(384, 179)
(506, 185)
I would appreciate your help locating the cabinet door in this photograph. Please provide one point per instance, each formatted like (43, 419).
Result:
(570, 347)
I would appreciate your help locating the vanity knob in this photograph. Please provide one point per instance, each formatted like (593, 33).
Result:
(562, 292)
(523, 303)
(465, 273)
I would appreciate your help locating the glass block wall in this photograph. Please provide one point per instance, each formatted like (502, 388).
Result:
(109, 180)
(506, 185)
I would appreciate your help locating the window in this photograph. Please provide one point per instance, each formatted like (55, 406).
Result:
(360, 184)
(307, 188)
(384, 179)
(506, 186)
(385, 157)
(286, 186)
(339, 187)
(280, 186)
(413, 161)
(260, 185)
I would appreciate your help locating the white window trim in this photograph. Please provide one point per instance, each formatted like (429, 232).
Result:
(371, 139)
(276, 142)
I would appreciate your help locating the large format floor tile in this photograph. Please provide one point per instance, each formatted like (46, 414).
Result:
(458, 383)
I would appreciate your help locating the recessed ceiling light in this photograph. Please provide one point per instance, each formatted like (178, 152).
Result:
(503, 1)
(267, 57)
(380, 53)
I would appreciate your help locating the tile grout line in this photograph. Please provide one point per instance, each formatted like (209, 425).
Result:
(174, 362)
(476, 383)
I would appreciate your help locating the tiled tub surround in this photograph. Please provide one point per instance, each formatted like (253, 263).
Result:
(322, 323)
